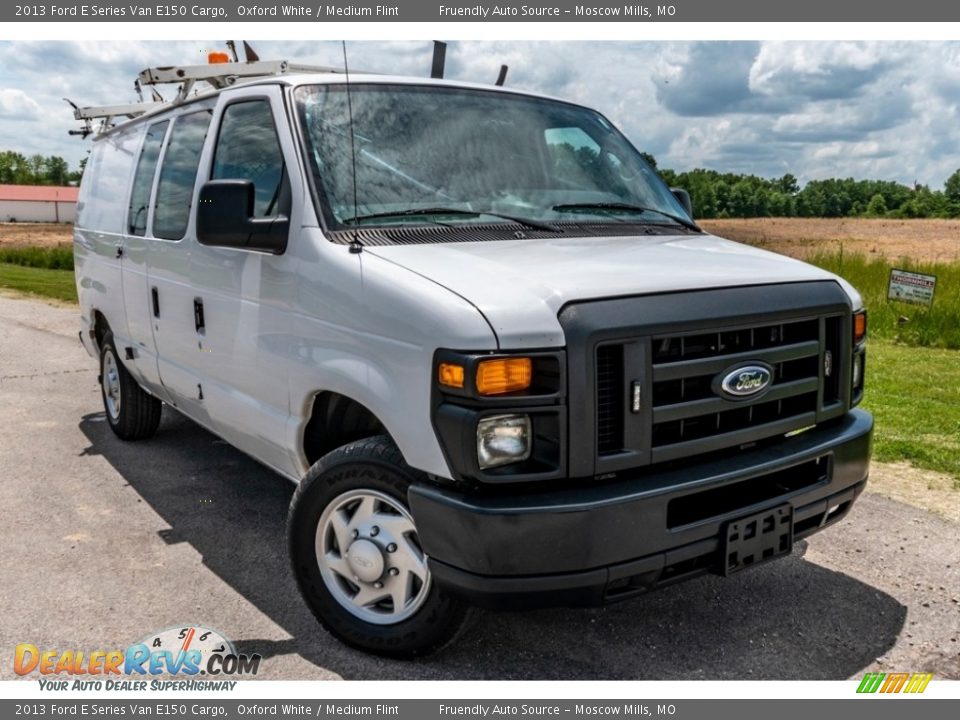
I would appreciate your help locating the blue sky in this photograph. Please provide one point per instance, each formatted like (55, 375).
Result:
(817, 109)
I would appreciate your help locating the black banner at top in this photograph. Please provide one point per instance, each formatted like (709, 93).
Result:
(467, 11)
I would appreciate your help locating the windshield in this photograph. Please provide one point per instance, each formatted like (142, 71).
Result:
(442, 155)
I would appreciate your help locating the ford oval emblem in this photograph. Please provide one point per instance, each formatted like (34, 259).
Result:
(746, 381)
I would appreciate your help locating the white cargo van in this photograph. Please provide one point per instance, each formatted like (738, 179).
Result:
(494, 350)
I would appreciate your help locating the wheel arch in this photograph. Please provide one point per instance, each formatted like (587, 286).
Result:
(99, 327)
(335, 420)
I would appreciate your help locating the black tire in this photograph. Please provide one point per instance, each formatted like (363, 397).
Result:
(133, 413)
(372, 464)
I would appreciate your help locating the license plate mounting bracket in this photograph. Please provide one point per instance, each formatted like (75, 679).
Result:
(757, 538)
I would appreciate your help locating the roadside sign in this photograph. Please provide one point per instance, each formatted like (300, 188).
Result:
(910, 287)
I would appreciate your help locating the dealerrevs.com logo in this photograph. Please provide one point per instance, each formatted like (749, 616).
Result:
(185, 651)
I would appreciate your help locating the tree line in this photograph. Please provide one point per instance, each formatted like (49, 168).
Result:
(732, 195)
(19, 169)
(714, 194)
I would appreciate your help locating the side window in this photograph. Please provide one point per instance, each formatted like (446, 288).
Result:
(178, 175)
(248, 149)
(143, 179)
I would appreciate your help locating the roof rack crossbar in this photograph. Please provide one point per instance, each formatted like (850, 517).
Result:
(221, 75)
(95, 112)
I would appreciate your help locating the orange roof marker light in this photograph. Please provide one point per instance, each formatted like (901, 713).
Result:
(215, 57)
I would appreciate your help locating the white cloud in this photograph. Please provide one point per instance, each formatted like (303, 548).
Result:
(780, 64)
(868, 149)
(824, 109)
(16, 104)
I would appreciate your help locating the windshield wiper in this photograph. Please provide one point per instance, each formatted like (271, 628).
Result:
(414, 212)
(603, 207)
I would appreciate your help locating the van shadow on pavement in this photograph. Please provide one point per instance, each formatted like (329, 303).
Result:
(787, 620)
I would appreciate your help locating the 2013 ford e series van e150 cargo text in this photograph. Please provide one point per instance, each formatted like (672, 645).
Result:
(501, 360)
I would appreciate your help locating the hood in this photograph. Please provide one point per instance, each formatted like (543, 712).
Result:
(521, 285)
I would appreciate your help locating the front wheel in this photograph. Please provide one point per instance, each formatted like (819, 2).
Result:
(357, 557)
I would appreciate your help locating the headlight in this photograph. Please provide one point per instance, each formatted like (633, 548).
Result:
(503, 439)
(857, 370)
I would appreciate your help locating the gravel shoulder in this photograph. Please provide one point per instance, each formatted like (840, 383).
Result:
(105, 542)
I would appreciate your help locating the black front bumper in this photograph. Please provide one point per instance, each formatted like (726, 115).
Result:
(593, 544)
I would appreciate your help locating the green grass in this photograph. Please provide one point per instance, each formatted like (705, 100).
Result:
(55, 284)
(48, 258)
(936, 327)
(914, 394)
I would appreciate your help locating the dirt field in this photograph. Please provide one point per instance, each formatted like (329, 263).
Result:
(932, 240)
(922, 240)
(13, 234)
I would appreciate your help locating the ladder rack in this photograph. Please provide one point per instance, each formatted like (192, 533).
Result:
(216, 75)
(221, 75)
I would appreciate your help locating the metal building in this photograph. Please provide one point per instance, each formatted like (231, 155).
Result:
(38, 203)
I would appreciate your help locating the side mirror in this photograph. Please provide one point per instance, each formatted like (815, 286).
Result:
(225, 219)
(683, 197)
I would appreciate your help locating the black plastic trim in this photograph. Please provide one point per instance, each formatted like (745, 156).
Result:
(603, 586)
(425, 234)
(549, 391)
(635, 320)
(455, 413)
(676, 411)
(739, 437)
(456, 428)
(709, 366)
(562, 528)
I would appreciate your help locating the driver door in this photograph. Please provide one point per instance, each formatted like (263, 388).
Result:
(243, 295)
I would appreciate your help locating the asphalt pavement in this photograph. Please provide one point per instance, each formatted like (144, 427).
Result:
(104, 542)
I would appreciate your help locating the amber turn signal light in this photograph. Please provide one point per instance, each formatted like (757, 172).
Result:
(450, 375)
(859, 327)
(503, 375)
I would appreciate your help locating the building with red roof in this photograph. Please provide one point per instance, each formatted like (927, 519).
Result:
(38, 203)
